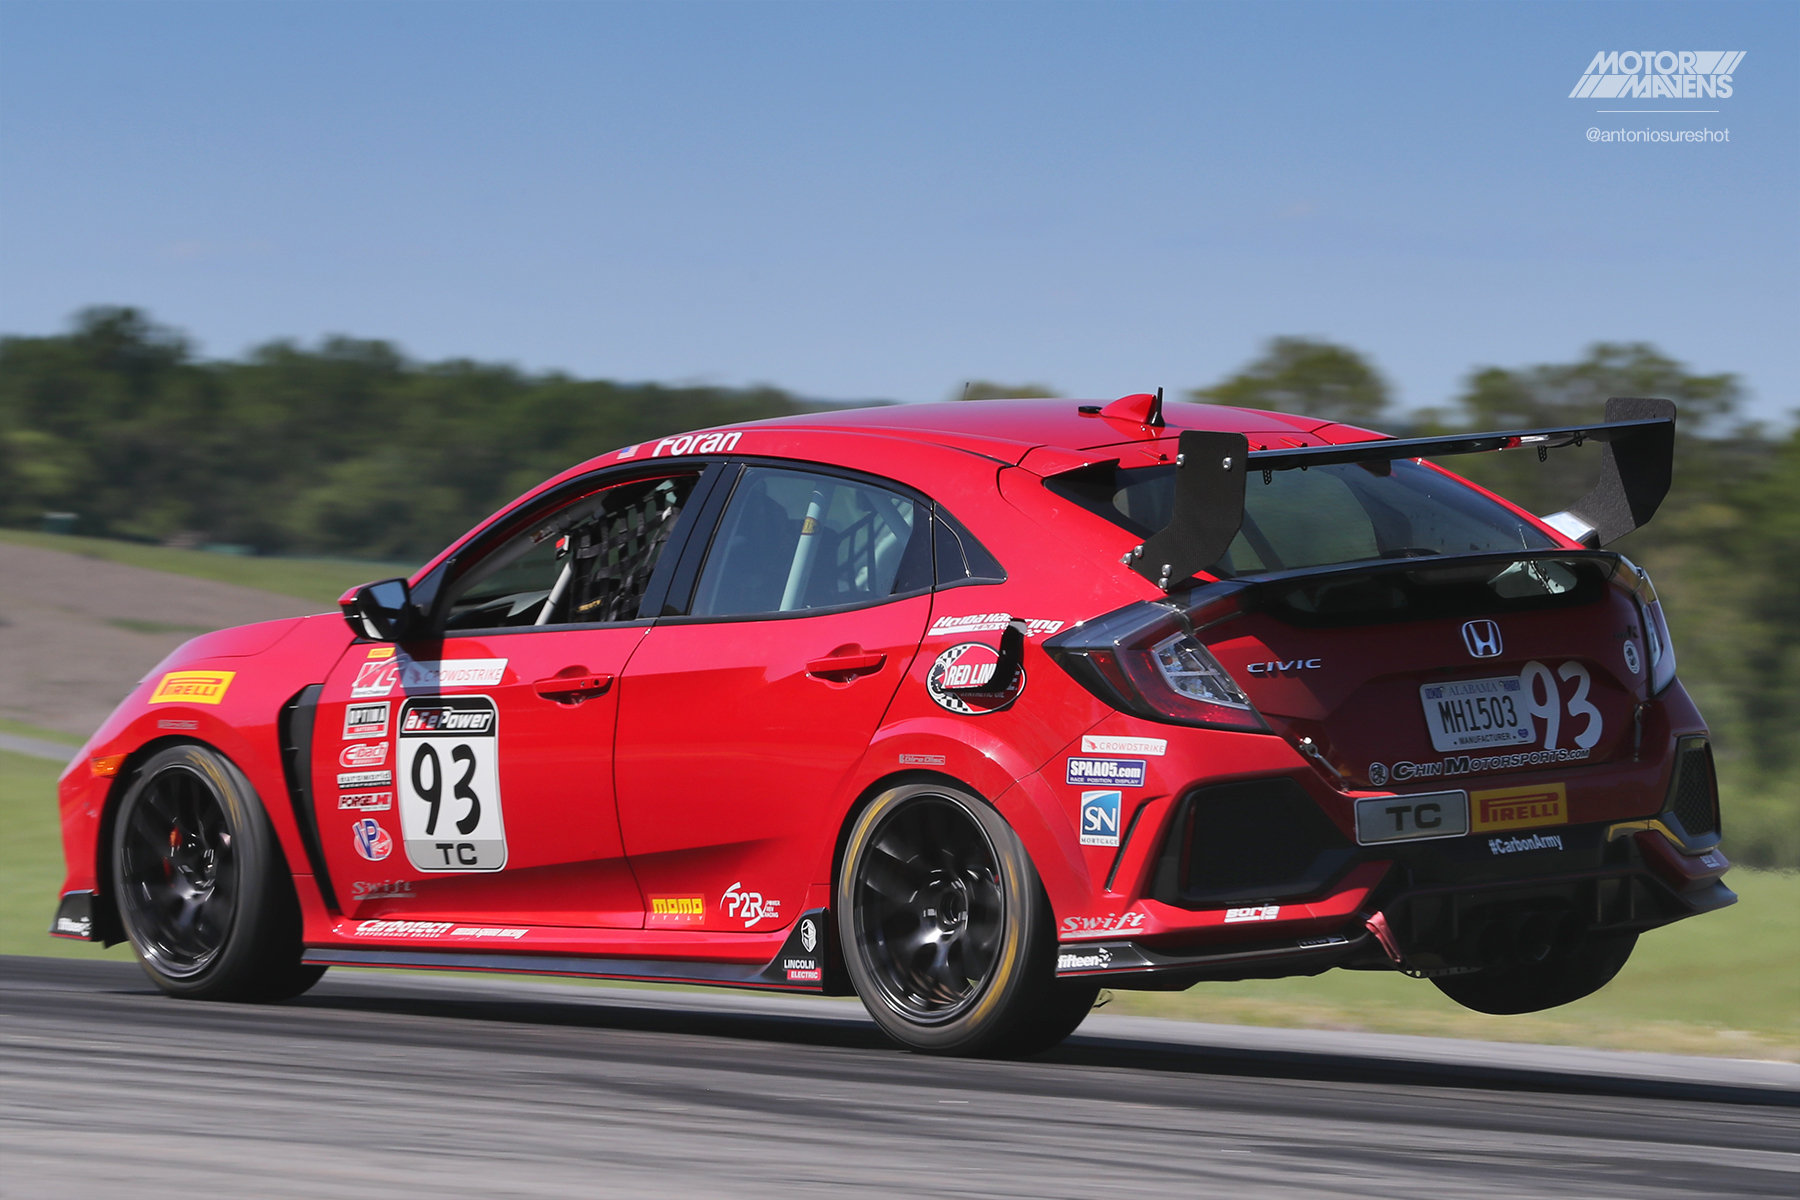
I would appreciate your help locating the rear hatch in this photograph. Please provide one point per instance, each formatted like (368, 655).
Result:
(1411, 626)
(1408, 672)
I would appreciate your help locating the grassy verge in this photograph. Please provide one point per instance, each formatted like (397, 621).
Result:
(1725, 984)
(21, 729)
(321, 580)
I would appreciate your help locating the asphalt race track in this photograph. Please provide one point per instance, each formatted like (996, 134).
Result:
(389, 1086)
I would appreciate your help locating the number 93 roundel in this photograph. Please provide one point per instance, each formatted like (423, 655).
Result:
(448, 778)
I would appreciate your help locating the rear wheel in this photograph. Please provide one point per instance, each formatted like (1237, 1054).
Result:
(203, 890)
(946, 931)
(1554, 980)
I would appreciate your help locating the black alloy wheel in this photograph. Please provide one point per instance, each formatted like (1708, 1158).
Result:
(930, 909)
(202, 888)
(947, 934)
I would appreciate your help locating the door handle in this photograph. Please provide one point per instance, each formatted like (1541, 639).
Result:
(842, 668)
(572, 685)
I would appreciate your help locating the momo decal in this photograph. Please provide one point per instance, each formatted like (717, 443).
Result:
(676, 910)
(1118, 772)
(1101, 744)
(968, 665)
(363, 754)
(1520, 807)
(749, 907)
(366, 720)
(447, 771)
(192, 687)
(988, 623)
(1100, 817)
(1260, 912)
(365, 801)
(371, 840)
(1125, 922)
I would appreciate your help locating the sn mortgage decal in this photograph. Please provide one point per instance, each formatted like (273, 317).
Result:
(1100, 817)
(1658, 74)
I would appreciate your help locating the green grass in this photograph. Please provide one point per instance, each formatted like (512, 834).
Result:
(321, 580)
(1726, 984)
(21, 729)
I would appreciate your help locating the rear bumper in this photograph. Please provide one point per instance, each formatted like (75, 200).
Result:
(1431, 912)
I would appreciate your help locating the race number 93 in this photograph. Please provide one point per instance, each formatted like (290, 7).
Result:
(448, 778)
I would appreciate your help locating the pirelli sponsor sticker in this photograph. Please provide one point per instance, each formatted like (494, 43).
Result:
(676, 910)
(1519, 807)
(192, 687)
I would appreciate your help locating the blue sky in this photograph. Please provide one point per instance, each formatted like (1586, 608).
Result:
(884, 200)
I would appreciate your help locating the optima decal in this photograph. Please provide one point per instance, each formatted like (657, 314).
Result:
(366, 720)
(192, 687)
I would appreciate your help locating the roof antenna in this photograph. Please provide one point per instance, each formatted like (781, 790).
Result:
(1155, 418)
(966, 387)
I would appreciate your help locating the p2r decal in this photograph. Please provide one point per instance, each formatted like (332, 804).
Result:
(749, 907)
(447, 771)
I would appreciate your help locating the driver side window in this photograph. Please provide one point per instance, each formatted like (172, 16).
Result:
(588, 562)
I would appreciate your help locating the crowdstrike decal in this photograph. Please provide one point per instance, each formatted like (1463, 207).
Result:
(1652, 74)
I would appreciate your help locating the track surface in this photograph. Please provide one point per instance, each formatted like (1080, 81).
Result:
(378, 1085)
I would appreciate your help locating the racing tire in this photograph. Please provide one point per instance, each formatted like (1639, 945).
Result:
(947, 934)
(1532, 987)
(203, 890)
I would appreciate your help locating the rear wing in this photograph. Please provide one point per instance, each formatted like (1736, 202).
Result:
(1636, 459)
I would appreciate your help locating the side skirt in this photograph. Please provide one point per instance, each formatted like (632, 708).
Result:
(800, 967)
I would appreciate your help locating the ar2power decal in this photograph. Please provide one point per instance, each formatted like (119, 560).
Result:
(967, 665)
(448, 776)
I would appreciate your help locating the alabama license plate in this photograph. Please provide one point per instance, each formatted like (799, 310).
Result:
(1476, 714)
(1412, 818)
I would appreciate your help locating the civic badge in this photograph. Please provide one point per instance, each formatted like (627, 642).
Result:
(1482, 638)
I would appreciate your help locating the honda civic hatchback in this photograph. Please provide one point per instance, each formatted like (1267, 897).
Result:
(966, 709)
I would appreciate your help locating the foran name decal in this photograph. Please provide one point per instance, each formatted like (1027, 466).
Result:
(688, 443)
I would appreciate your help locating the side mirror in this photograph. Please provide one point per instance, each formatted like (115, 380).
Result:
(381, 611)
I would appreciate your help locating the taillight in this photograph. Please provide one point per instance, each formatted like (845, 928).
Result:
(1657, 646)
(1143, 660)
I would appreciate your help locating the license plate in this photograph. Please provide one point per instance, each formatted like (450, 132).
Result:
(1412, 818)
(1476, 714)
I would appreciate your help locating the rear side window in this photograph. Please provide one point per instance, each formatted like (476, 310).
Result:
(790, 541)
(1322, 516)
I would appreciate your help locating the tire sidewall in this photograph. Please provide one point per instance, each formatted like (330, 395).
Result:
(1024, 967)
(232, 971)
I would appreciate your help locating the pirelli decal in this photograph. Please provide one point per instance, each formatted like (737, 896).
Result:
(192, 687)
(1519, 807)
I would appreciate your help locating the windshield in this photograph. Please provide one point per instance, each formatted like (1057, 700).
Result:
(1321, 516)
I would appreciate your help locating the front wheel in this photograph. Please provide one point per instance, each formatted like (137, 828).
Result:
(946, 931)
(203, 890)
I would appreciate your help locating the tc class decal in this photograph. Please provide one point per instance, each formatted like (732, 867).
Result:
(447, 771)
(968, 665)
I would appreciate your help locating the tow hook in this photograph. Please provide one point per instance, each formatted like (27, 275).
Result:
(1378, 926)
(1309, 749)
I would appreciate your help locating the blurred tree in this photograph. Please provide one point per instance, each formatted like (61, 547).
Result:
(1308, 377)
(982, 389)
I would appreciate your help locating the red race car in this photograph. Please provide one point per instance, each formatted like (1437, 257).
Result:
(968, 709)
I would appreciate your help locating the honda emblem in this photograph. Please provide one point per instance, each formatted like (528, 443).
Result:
(1482, 638)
